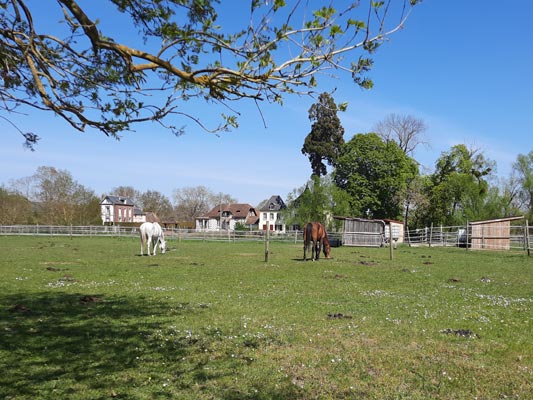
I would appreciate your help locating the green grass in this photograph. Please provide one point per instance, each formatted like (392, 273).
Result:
(87, 318)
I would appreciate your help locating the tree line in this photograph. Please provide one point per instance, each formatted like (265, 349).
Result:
(52, 196)
(374, 175)
(81, 72)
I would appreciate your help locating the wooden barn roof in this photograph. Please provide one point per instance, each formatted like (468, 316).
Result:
(493, 221)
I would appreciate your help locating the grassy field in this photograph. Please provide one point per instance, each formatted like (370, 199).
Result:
(87, 318)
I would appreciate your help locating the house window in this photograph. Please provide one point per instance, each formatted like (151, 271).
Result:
(272, 216)
(265, 216)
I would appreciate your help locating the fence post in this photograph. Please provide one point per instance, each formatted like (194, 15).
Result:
(267, 239)
(467, 236)
(528, 244)
(430, 234)
(391, 251)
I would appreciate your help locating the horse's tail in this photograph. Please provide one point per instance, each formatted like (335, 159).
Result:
(142, 234)
(308, 232)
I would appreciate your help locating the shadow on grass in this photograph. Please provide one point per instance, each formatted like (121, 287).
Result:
(58, 345)
(51, 336)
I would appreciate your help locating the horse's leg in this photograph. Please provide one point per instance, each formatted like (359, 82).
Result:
(318, 248)
(143, 244)
(307, 247)
(149, 245)
(155, 245)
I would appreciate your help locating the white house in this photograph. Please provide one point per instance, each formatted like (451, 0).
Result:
(271, 212)
(116, 209)
(227, 216)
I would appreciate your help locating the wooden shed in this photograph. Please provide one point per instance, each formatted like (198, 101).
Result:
(362, 232)
(491, 234)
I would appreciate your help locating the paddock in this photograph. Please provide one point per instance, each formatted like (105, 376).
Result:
(213, 320)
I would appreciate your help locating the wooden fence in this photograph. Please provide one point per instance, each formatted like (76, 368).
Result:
(514, 237)
(519, 236)
(170, 234)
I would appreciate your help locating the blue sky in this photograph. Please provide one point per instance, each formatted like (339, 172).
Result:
(464, 67)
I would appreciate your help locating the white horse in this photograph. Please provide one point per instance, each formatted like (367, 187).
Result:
(152, 233)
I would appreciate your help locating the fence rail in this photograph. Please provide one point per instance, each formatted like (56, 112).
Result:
(515, 237)
(178, 234)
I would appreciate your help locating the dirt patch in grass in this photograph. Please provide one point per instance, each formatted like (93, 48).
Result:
(367, 263)
(460, 332)
(339, 316)
(20, 308)
(90, 299)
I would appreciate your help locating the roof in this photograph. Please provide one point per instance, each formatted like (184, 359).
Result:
(151, 217)
(492, 221)
(252, 220)
(120, 200)
(385, 220)
(275, 203)
(237, 210)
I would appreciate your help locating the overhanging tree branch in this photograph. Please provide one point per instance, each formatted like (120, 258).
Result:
(91, 79)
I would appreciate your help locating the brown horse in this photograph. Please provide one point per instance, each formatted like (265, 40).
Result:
(315, 233)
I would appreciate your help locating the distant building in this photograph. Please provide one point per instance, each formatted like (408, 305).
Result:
(138, 215)
(492, 234)
(116, 209)
(227, 216)
(120, 209)
(271, 213)
(370, 232)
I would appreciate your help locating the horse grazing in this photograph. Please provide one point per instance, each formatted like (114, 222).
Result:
(151, 232)
(315, 234)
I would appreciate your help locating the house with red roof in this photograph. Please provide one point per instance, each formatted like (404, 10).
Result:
(227, 217)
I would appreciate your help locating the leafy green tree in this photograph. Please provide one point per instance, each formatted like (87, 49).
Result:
(413, 197)
(319, 200)
(374, 174)
(459, 186)
(325, 141)
(523, 171)
(497, 204)
(178, 49)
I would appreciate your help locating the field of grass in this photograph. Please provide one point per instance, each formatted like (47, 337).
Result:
(87, 318)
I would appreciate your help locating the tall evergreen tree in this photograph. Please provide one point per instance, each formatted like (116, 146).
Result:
(325, 141)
